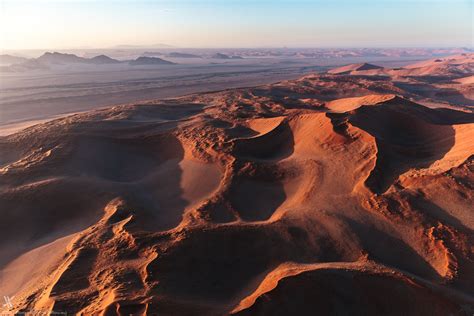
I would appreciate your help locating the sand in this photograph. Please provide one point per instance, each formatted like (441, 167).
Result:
(466, 80)
(354, 68)
(335, 193)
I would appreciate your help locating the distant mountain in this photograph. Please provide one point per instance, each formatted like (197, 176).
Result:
(224, 56)
(60, 58)
(150, 61)
(49, 58)
(152, 54)
(103, 59)
(182, 55)
(9, 59)
(29, 64)
(220, 56)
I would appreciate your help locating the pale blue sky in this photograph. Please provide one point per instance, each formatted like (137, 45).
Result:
(233, 23)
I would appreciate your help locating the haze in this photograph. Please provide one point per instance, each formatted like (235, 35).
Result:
(213, 23)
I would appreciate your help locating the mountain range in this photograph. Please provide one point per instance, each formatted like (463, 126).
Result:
(55, 58)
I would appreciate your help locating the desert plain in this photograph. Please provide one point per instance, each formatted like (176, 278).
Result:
(346, 191)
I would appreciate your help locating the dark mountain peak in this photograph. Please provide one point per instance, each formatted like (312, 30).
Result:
(60, 58)
(103, 59)
(10, 59)
(224, 56)
(144, 60)
(220, 56)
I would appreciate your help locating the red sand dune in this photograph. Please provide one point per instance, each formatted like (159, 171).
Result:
(466, 80)
(329, 194)
(451, 66)
(353, 68)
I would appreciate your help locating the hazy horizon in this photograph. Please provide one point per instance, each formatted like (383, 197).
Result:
(61, 25)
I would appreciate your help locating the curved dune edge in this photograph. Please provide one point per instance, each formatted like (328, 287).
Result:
(265, 125)
(291, 270)
(75, 275)
(29, 270)
(349, 104)
(309, 151)
(465, 80)
(461, 150)
(286, 270)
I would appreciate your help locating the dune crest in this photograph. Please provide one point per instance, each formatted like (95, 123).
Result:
(353, 68)
(349, 104)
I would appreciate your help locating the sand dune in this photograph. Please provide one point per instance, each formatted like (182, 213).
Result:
(444, 67)
(353, 68)
(442, 82)
(349, 104)
(336, 193)
(460, 59)
(466, 80)
(452, 66)
(334, 288)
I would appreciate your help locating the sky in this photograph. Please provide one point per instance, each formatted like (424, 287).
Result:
(43, 24)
